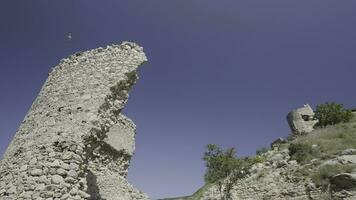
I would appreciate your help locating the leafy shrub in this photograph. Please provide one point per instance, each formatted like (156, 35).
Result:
(219, 163)
(321, 176)
(331, 113)
(223, 163)
(224, 168)
(302, 152)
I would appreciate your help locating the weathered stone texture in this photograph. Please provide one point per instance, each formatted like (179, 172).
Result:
(302, 120)
(74, 142)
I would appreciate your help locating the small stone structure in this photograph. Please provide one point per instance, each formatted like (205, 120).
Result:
(302, 120)
(278, 142)
(74, 142)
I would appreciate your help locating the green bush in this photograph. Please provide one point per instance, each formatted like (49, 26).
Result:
(321, 176)
(219, 163)
(224, 168)
(222, 163)
(331, 113)
(302, 152)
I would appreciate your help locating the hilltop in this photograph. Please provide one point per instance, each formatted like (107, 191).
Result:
(317, 165)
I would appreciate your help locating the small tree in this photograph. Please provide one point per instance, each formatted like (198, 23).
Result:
(224, 168)
(221, 164)
(331, 113)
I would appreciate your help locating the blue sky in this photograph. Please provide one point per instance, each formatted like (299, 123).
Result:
(224, 72)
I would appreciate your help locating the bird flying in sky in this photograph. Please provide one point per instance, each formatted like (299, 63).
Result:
(69, 36)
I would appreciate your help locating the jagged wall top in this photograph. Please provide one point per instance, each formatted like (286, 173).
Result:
(67, 87)
(74, 141)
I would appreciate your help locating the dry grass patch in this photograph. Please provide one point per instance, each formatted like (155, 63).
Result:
(331, 140)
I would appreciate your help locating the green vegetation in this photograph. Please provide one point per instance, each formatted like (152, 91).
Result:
(220, 163)
(321, 176)
(224, 168)
(328, 141)
(336, 132)
(302, 152)
(331, 114)
(305, 171)
(323, 144)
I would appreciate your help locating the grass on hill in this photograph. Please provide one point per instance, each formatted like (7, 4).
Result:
(331, 140)
(322, 144)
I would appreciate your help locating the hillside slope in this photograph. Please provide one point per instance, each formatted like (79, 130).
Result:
(320, 165)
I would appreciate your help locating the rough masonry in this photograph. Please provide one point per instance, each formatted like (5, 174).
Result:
(74, 143)
(302, 120)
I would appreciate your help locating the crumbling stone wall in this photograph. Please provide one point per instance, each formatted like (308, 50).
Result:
(302, 120)
(74, 142)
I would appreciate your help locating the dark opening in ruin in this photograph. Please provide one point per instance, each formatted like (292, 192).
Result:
(93, 189)
(306, 117)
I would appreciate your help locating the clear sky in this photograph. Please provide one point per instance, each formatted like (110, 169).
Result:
(224, 72)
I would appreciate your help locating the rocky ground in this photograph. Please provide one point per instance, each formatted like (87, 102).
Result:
(324, 167)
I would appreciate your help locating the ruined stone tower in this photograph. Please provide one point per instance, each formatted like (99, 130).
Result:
(302, 120)
(74, 143)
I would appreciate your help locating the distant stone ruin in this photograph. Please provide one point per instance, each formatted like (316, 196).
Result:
(74, 143)
(302, 120)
